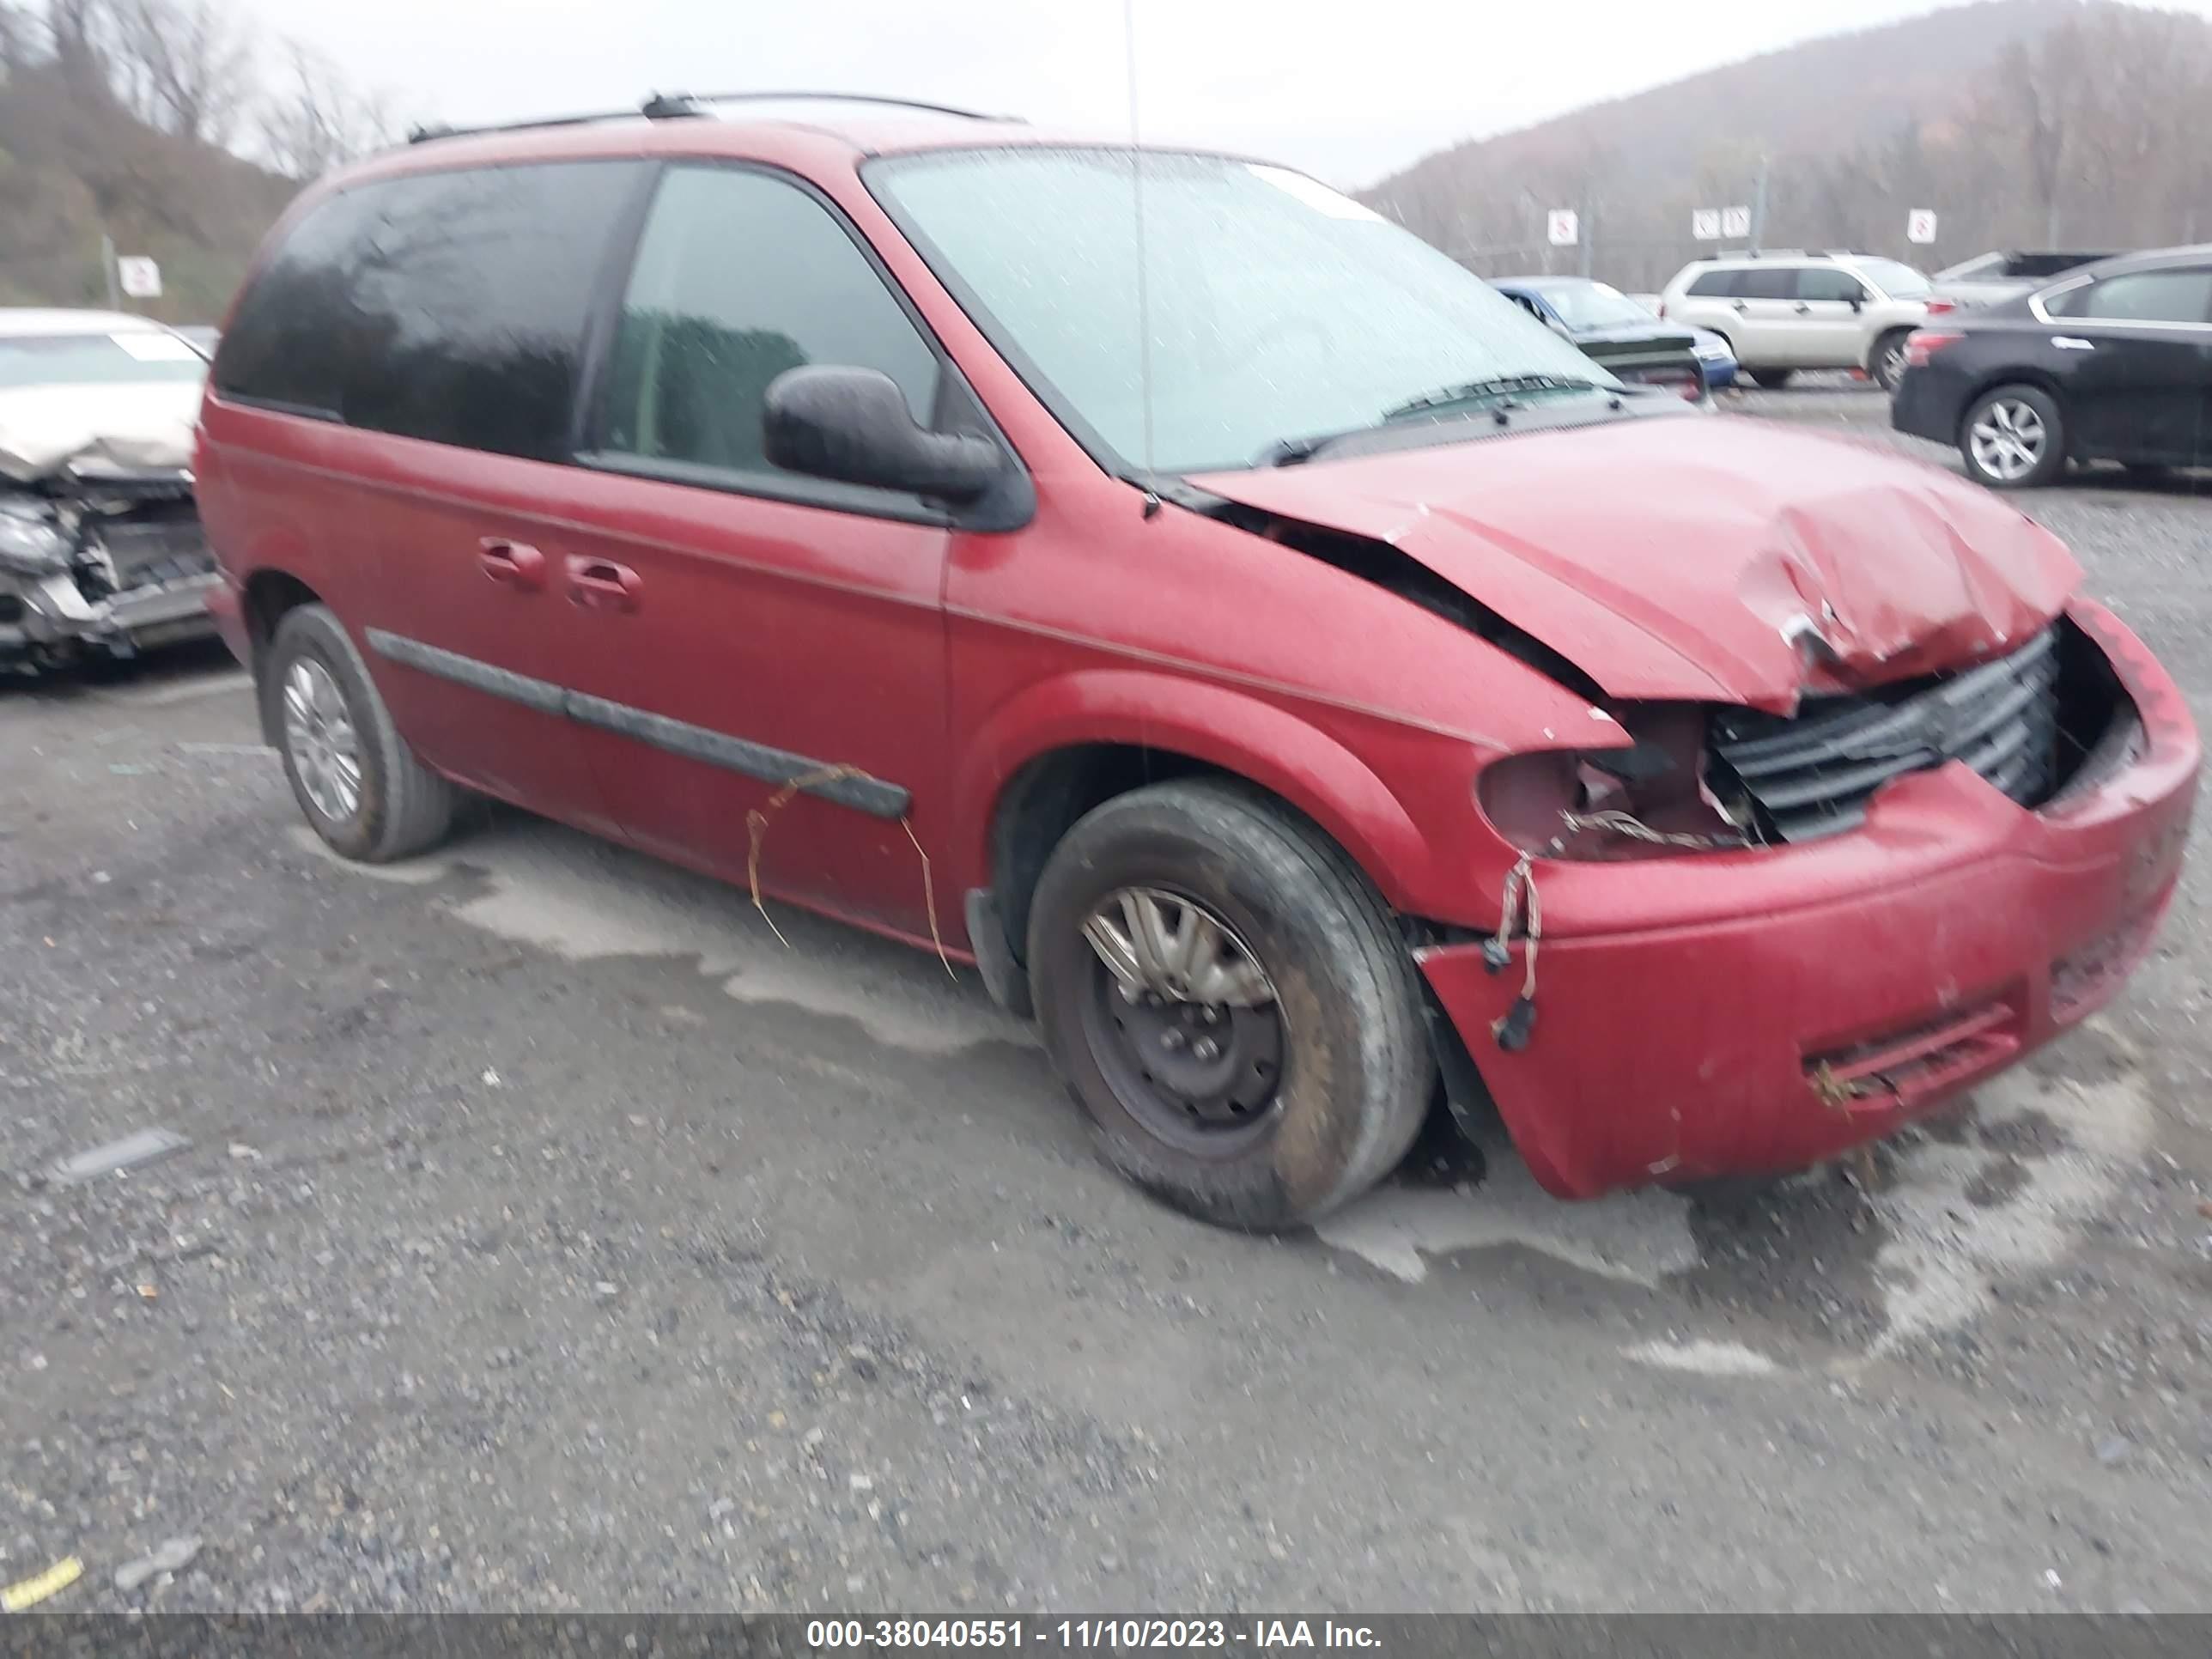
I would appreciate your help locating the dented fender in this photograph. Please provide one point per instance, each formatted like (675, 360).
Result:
(1420, 863)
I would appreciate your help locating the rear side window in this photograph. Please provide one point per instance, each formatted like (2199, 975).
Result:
(1768, 283)
(1718, 284)
(739, 277)
(1821, 283)
(449, 306)
(1898, 280)
(2142, 296)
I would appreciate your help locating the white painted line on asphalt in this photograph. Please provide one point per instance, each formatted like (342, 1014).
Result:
(1702, 1357)
(1961, 1220)
(1638, 1238)
(553, 888)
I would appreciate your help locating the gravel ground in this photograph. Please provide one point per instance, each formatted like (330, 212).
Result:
(549, 1237)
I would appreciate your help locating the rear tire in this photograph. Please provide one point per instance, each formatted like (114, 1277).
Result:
(2013, 437)
(1887, 363)
(1768, 380)
(1337, 1040)
(355, 779)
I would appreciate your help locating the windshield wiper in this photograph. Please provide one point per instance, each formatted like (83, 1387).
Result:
(1496, 385)
(1289, 452)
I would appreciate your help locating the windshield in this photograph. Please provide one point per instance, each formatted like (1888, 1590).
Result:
(1897, 281)
(1592, 305)
(127, 359)
(1276, 308)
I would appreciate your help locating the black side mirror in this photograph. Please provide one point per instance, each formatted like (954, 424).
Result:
(853, 425)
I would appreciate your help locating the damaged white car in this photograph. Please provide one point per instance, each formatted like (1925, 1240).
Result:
(100, 548)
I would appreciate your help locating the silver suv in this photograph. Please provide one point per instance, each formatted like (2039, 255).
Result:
(1783, 310)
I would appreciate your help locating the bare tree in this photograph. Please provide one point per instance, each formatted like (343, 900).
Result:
(186, 66)
(15, 40)
(2039, 82)
(78, 32)
(317, 121)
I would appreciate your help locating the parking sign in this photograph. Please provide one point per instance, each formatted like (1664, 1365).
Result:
(1561, 225)
(138, 277)
(1705, 225)
(1735, 221)
(1920, 225)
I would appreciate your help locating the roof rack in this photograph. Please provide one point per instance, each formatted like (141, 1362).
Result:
(685, 105)
(1789, 254)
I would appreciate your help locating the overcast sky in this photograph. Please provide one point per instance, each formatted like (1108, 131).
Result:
(1348, 89)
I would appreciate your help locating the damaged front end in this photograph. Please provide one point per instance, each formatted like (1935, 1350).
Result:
(99, 560)
(2037, 723)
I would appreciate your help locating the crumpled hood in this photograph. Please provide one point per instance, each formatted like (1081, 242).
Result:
(132, 428)
(1700, 558)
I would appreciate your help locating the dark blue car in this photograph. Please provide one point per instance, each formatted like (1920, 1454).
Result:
(1612, 328)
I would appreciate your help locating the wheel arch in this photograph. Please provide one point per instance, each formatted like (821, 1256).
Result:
(1996, 379)
(1900, 331)
(267, 594)
(1070, 744)
(2016, 374)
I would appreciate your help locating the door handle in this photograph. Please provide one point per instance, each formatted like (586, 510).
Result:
(1802, 308)
(1736, 306)
(512, 564)
(603, 585)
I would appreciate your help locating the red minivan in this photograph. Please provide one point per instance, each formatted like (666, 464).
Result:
(1308, 685)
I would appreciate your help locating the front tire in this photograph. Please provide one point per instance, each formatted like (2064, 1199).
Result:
(2014, 437)
(1276, 1066)
(355, 779)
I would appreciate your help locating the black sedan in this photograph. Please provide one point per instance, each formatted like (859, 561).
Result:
(2111, 363)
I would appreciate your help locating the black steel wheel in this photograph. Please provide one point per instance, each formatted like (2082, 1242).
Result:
(1182, 1020)
(1230, 1001)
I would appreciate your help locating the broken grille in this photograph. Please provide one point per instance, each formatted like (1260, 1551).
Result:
(130, 554)
(1813, 774)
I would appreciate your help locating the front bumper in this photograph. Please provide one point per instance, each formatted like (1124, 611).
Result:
(47, 620)
(1743, 1013)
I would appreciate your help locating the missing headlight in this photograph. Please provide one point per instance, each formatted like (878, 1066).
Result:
(1638, 800)
(31, 543)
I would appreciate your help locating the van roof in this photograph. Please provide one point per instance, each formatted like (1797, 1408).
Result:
(818, 143)
(860, 124)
